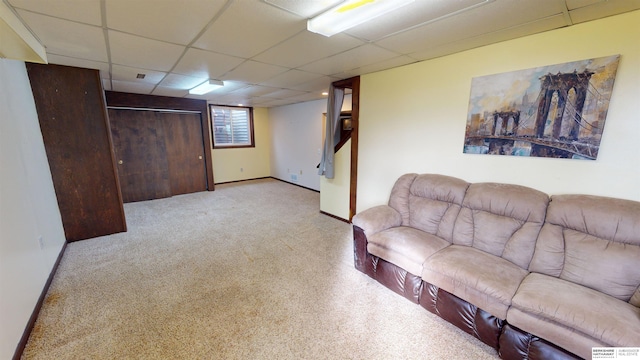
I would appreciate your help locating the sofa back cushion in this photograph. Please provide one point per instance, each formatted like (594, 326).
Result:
(429, 202)
(592, 241)
(501, 219)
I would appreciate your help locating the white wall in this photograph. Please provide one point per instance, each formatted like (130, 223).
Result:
(28, 207)
(246, 163)
(296, 141)
(413, 118)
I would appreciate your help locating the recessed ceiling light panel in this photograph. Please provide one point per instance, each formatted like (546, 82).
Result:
(206, 87)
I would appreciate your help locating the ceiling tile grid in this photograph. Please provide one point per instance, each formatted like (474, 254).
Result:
(172, 21)
(67, 38)
(261, 48)
(247, 28)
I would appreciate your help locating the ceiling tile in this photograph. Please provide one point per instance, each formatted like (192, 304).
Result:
(411, 15)
(206, 64)
(255, 26)
(283, 94)
(304, 8)
(87, 64)
(132, 87)
(290, 78)
(227, 99)
(601, 9)
(181, 82)
(386, 64)
(317, 85)
(148, 18)
(254, 90)
(125, 73)
(84, 11)
(144, 53)
(165, 91)
(230, 86)
(349, 60)
(486, 19)
(67, 38)
(307, 97)
(575, 4)
(552, 22)
(288, 52)
(267, 103)
(253, 72)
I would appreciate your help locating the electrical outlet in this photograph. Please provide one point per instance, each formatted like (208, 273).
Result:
(241, 169)
(300, 172)
(41, 242)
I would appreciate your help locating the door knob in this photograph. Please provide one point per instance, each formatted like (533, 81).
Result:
(200, 157)
(119, 162)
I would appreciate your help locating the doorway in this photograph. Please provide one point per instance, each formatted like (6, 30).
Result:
(352, 84)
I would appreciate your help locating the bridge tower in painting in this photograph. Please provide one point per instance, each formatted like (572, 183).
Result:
(562, 98)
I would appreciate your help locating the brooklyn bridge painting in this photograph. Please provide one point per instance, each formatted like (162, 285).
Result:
(554, 111)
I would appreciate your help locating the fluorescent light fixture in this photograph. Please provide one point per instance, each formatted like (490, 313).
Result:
(206, 87)
(351, 13)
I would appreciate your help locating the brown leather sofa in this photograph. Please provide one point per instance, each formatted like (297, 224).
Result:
(535, 277)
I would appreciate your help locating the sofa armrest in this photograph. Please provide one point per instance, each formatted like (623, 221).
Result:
(376, 219)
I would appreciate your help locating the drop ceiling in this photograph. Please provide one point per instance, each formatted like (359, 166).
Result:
(261, 48)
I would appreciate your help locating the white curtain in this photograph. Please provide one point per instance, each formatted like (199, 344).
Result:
(331, 131)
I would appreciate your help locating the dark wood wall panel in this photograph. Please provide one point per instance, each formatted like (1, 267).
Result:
(128, 100)
(72, 113)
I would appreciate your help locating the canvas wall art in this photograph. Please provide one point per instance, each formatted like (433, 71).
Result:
(556, 111)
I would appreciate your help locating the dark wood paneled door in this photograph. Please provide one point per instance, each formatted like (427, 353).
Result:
(141, 155)
(185, 152)
(158, 154)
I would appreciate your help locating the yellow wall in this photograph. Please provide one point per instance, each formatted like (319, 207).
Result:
(334, 193)
(246, 163)
(413, 118)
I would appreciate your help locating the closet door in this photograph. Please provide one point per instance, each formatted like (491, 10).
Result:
(158, 153)
(185, 152)
(141, 155)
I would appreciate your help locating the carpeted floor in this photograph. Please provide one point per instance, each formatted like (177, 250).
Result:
(249, 271)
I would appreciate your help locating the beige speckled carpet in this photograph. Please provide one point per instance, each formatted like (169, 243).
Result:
(249, 271)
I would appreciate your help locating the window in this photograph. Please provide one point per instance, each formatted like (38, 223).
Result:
(232, 126)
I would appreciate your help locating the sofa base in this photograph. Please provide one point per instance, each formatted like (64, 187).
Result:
(395, 278)
(518, 344)
(462, 314)
(510, 342)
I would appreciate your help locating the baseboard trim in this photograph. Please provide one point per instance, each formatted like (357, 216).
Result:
(298, 185)
(243, 180)
(34, 315)
(335, 217)
(268, 177)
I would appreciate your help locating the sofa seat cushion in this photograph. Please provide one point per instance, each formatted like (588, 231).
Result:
(560, 303)
(485, 280)
(405, 247)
